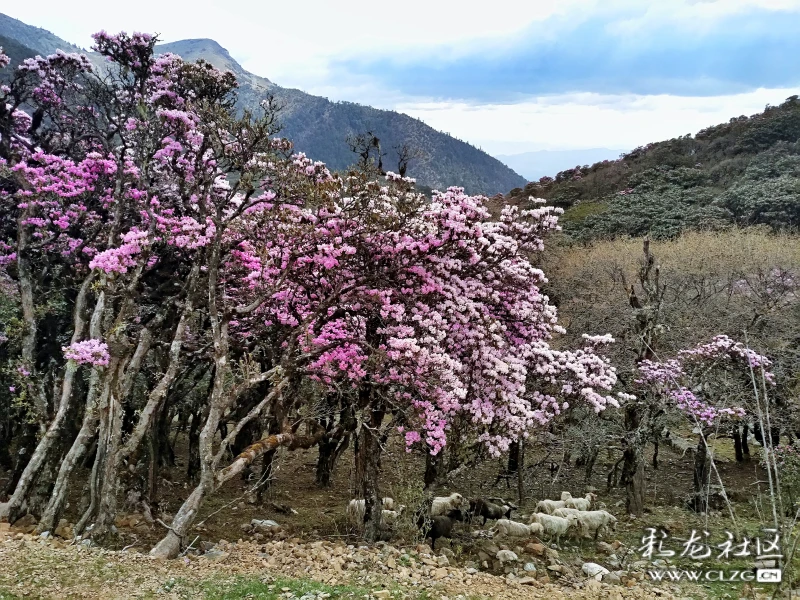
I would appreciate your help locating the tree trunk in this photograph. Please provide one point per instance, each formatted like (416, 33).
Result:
(655, 454)
(329, 452)
(737, 443)
(745, 442)
(26, 446)
(588, 469)
(520, 471)
(11, 509)
(513, 458)
(193, 460)
(633, 479)
(169, 546)
(702, 471)
(632, 476)
(58, 497)
(433, 466)
(368, 458)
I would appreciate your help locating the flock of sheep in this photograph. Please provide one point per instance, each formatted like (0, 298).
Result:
(553, 519)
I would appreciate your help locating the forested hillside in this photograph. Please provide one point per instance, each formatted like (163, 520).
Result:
(320, 127)
(15, 51)
(744, 172)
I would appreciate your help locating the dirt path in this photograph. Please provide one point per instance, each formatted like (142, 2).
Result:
(34, 568)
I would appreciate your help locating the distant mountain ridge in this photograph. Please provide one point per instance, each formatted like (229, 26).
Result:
(320, 127)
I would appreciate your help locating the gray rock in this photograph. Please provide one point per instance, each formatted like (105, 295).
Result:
(612, 578)
(605, 548)
(530, 567)
(505, 556)
(490, 548)
(265, 525)
(216, 555)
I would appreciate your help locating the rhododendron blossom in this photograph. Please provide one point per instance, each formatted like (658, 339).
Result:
(670, 379)
(89, 352)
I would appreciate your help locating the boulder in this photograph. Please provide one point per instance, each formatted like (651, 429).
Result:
(535, 549)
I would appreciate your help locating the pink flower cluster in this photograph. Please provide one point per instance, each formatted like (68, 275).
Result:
(722, 347)
(436, 305)
(89, 352)
(670, 379)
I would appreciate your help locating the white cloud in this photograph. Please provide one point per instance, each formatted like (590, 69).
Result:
(291, 42)
(588, 120)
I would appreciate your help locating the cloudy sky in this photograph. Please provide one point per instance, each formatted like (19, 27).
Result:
(512, 77)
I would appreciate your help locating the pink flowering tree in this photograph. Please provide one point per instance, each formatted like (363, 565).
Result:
(713, 385)
(113, 184)
(188, 249)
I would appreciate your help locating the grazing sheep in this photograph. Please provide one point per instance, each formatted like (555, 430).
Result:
(515, 529)
(390, 516)
(357, 508)
(555, 527)
(565, 496)
(548, 506)
(439, 526)
(565, 512)
(595, 520)
(442, 504)
(582, 503)
(478, 507)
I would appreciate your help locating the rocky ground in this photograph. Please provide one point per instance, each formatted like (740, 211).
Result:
(50, 567)
(297, 543)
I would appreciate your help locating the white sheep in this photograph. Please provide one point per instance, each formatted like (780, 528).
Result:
(515, 529)
(565, 512)
(555, 527)
(390, 516)
(582, 503)
(357, 507)
(594, 520)
(548, 506)
(565, 496)
(443, 504)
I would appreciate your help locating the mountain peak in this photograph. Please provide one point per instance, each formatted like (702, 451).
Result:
(317, 126)
(209, 50)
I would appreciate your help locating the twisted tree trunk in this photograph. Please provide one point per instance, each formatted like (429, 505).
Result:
(170, 545)
(368, 466)
(11, 510)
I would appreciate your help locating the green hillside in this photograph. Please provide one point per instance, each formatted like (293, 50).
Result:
(744, 172)
(16, 52)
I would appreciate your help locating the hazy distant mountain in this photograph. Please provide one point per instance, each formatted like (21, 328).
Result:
(16, 51)
(41, 40)
(533, 165)
(319, 127)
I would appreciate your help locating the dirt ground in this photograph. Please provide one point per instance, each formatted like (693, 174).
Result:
(318, 515)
